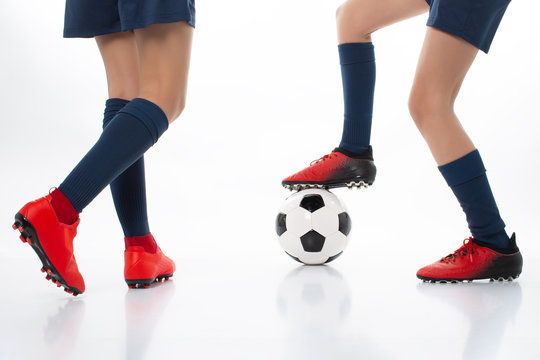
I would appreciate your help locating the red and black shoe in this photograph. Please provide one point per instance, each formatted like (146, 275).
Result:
(340, 168)
(53, 243)
(475, 260)
(142, 268)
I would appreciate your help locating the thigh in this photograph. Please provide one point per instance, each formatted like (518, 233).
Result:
(444, 61)
(364, 17)
(120, 56)
(164, 56)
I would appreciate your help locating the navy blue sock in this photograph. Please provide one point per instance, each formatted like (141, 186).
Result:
(128, 189)
(358, 77)
(467, 178)
(130, 133)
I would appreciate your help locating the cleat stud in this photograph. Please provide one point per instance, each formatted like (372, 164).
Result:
(42, 269)
(58, 285)
(146, 286)
(14, 226)
(22, 239)
(48, 277)
(49, 271)
(21, 229)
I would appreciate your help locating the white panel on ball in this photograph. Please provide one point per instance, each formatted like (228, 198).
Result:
(325, 221)
(313, 258)
(335, 243)
(298, 221)
(291, 203)
(290, 244)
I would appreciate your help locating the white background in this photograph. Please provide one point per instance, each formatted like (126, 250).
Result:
(264, 100)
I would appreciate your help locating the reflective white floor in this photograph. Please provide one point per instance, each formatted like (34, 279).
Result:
(269, 311)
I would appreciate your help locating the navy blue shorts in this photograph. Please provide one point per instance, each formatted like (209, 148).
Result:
(89, 18)
(475, 21)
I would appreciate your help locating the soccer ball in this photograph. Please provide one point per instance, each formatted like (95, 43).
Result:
(313, 226)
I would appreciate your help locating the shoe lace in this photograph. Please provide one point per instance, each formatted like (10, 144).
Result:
(466, 248)
(324, 158)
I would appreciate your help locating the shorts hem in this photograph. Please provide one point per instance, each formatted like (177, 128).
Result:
(163, 20)
(452, 31)
(68, 33)
(72, 33)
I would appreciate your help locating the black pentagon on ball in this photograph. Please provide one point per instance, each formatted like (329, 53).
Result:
(312, 241)
(281, 223)
(312, 202)
(344, 223)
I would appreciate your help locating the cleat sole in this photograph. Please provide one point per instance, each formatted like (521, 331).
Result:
(145, 283)
(456, 281)
(351, 185)
(28, 232)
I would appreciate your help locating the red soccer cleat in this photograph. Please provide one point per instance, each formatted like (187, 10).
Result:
(475, 261)
(340, 168)
(142, 268)
(52, 241)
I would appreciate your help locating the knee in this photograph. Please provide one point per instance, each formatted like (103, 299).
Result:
(428, 105)
(172, 105)
(352, 24)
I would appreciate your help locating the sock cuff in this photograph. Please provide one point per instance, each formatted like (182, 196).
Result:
(65, 212)
(149, 114)
(463, 169)
(353, 53)
(145, 241)
(112, 106)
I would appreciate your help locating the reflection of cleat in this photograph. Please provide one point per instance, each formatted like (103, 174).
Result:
(475, 261)
(340, 168)
(52, 241)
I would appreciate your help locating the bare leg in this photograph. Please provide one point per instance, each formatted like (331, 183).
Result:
(120, 56)
(164, 53)
(358, 19)
(443, 64)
